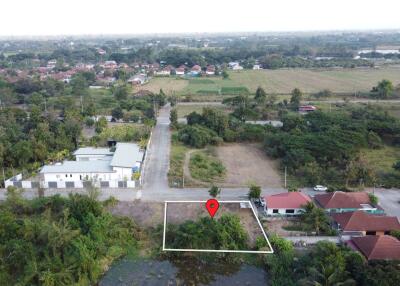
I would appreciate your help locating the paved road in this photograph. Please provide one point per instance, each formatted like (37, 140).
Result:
(157, 159)
(389, 200)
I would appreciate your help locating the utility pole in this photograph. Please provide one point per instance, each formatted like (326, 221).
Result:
(81, 104)
(4, 178)
(285, 176)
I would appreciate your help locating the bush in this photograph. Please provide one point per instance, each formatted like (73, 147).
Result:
(197, 136)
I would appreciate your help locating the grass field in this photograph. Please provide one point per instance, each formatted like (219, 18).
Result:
(279, 81)
(382, 160)
(184, 110)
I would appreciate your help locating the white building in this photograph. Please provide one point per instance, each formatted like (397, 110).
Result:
(97, 164)
(286, 204)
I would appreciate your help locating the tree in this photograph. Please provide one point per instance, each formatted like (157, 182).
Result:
(296, 98)
(373, 199)
(314, 217)
(255, 192)
(173, 117)
(121, 92)
(117, 113)
(79, 85)
(225, 74)
(260, 96)
(383, 89)
(214, 191)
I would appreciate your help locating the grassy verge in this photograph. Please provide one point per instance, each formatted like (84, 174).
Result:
(177, 159)
(206, 168)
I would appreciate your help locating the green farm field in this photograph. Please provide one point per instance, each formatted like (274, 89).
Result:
(281, 81)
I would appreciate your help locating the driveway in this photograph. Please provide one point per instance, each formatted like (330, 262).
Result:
(389, 200)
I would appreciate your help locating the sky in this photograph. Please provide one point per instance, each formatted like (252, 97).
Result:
(83, 17)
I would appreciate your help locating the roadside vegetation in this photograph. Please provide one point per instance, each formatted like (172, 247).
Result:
(224, 233)
(206, 168)
(326, 264)
(60, 241)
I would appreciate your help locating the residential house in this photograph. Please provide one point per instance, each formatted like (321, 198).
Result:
(92, 154)
(97, 165)
(338, 202)
(307, 108)
(210, 70)
(180, 70)
(288, 204)
(138, 79)
(110, 65)
(256, 67)
(166, 71)
(360, 223)
(382, 247)
(195, 70)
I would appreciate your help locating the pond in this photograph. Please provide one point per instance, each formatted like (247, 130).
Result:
(182, 271)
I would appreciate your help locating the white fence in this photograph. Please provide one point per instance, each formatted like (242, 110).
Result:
(70, 184)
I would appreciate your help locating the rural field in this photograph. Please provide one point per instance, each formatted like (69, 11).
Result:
(281, 81)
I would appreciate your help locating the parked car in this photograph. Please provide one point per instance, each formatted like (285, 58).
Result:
(320, 188)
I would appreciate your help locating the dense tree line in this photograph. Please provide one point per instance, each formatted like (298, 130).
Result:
(60, 241)
(327, 264)
(324, 147)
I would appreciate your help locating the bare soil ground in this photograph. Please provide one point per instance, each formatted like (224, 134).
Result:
(145, 214)
(178, 213)
(276, 225)
(247, 163)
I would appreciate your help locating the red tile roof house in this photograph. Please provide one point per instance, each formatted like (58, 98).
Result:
(339, 202)
(360, 223)
(382, 247)
(287, 204)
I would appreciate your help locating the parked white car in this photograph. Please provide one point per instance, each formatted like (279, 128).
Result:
(320, 188)
(262, 201)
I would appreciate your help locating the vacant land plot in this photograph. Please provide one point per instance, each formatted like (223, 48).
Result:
(145, 214)
(186, 109)
(247, 163)
(178, 213)
(281, 81)
(169, 85)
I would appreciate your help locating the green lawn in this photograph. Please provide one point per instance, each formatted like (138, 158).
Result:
(184, 110)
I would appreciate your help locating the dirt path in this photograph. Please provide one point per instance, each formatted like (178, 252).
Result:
(247, 163)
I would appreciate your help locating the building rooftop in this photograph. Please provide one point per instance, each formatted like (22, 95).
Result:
(290, 200)
(127, 155)
(98, 166)
(378, 246)
(362, 221)
(93, 151)
(342, 200)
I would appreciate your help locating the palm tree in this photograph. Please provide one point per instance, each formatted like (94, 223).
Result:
(314, 217)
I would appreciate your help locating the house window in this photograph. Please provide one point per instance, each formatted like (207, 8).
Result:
(290, 211)
(275, 211)
(370, 233)
(70, 175)
(66, 175)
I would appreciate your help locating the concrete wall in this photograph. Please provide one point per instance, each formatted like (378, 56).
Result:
(62, 177)
(270, 211)
(71, 184)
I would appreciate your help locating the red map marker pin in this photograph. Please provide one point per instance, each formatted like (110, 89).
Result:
(212, 206)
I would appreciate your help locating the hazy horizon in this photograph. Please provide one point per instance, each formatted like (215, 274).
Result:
(46, 18)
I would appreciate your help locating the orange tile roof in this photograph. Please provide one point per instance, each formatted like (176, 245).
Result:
(378, 246)
(342, 200)
(362, 221)
(290, 200)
